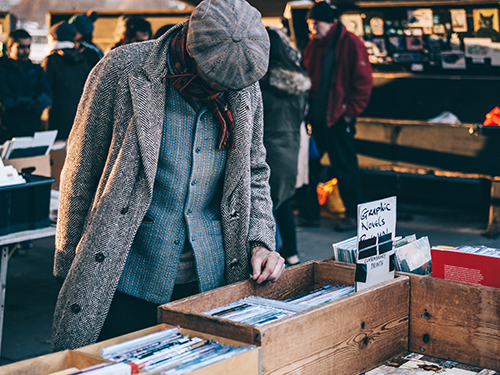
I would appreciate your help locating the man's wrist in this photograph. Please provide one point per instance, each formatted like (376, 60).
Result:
(254, 244)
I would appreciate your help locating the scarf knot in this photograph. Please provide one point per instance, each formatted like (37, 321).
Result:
(191, 86)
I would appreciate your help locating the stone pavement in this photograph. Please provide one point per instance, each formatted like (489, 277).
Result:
(32, 290)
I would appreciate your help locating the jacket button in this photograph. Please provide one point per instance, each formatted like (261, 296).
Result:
(75, 308)
(99, 257)
(233, 263)
(124, 210)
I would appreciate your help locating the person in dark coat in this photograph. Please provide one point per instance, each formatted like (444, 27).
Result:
(284, 94)
(24, 91)
(132, 29)
(66, 70)
(341, 75)
(84, 26)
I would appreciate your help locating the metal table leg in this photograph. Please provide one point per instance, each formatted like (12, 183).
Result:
(3, 281)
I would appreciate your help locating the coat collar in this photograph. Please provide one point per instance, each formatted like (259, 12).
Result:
(148, 91)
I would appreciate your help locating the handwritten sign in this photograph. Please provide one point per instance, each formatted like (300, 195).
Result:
(376, 231)
(376, 218)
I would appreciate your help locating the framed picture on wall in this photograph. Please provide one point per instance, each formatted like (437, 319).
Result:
(453, 60)
(396, 43)
(486, 24)
(414, 43)
(380, 48)
(353, 23)
(420, 18)
(458, 20)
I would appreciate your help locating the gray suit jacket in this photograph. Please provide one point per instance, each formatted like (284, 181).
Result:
(107, 184)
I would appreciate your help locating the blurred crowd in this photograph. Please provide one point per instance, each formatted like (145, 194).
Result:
(310, 104)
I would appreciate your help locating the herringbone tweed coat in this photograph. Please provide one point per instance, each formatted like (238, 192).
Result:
(107, 184)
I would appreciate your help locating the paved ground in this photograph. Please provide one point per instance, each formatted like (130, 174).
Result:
(32, 291)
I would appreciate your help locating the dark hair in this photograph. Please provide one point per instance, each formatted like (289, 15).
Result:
(162, 30)
(93, 15)
(133, 24)
(278, 53)
(15, 35)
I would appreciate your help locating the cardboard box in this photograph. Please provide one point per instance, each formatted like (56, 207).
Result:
(247, 363)
(40, 163)
(50, 363)
(57, 158)
(346, 336)
(465, 267)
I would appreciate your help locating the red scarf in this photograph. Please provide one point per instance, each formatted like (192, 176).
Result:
(191, 86)
(313, 56)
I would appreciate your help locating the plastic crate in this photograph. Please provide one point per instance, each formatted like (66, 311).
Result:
(25, 206)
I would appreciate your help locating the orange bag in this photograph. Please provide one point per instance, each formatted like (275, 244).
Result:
(493, 118)
(329, 197)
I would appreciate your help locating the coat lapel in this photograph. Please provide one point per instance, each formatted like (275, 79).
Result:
(148, 92)
(238, 102)
(148, 100)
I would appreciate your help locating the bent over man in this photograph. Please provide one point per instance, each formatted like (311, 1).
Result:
(165, 188)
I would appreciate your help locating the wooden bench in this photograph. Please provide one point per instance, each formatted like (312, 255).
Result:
(422, 148)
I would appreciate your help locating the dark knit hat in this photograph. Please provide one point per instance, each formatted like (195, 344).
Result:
(83, 24)
(229, 42)
(63, 32)
(322, 11)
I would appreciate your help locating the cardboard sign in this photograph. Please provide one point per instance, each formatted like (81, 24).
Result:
(376, 231)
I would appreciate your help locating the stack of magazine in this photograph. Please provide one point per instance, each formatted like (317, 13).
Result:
(345, 251)
(411, 254)
(259, 311)
(417, 363)
(170, 352)
(479, 250)
(100, 369)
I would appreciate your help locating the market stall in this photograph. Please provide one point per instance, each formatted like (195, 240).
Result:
(436, 68)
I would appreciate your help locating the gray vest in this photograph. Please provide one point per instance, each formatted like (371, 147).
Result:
(185, 207)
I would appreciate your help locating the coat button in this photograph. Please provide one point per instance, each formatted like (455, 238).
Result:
(75, 308)
(99, 257)
(233, 263)
(124, 210)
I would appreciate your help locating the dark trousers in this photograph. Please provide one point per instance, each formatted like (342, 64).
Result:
(306, 197)
(128, 314)
(338, 142)
(286, 225)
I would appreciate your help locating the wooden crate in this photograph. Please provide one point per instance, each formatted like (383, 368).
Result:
(247, 363)
(50, 363)
(456, 321)
(346, 336)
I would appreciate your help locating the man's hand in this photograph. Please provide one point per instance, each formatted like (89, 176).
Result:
(266, 265)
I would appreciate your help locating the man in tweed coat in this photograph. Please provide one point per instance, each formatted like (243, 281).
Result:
(165, 191)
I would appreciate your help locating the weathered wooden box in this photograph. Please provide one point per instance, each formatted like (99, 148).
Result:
(50, 363)
(247, 363)
(345, 336)
(454, 320)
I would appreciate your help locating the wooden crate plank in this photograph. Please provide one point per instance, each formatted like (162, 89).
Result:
(455, 320)
(247, 363)
(349, 335)
(50, 363)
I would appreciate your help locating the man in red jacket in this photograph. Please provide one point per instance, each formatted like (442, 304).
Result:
(337, 62)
